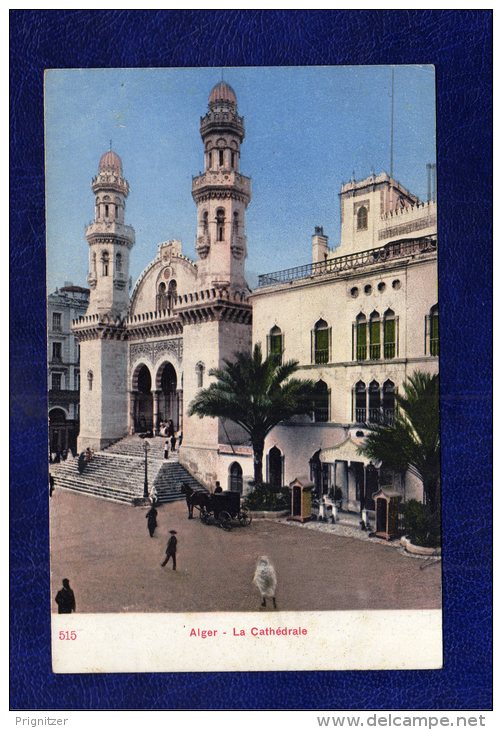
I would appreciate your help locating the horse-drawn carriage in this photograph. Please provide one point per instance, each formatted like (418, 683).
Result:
(222, 509)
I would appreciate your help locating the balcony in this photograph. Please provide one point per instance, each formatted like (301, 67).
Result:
(390, 252)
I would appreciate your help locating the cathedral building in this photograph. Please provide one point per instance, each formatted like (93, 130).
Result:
(359, 319)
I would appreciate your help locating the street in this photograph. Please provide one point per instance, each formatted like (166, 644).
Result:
(113, 565)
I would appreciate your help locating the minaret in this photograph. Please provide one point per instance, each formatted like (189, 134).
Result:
(101, 332)
(221, 194)
(110, 240)
(217, 318)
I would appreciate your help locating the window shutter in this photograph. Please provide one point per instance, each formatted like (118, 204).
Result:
(312, 346)
(397, 336)
(268, 345)
(353, 335)
(426, 333)
(329, 344)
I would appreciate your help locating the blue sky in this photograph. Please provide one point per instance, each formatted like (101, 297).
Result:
(307, 130)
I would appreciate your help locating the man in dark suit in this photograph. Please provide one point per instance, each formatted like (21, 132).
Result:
(65, 598)
(171, 550)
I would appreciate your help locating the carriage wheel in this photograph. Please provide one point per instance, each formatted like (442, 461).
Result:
(225, 520)
(204, 516)
(245, 519)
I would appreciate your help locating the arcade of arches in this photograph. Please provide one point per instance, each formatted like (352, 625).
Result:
(149, 407)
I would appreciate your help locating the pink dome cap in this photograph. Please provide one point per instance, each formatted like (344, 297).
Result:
(222, 92)
(111, 161)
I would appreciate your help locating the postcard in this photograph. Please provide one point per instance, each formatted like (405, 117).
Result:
(243, 358)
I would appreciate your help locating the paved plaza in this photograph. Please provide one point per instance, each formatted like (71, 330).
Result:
(113, 565)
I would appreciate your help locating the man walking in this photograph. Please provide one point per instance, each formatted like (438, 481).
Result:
(65, 598)
(171, 550)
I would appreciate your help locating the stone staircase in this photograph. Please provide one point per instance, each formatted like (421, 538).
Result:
(117, 473)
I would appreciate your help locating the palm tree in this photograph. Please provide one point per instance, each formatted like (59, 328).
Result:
(256, 394)
(412, 441)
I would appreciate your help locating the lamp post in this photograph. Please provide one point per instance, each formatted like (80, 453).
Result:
(146, 449)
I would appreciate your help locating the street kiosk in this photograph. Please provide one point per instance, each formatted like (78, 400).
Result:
(301, 499)
(387, 513)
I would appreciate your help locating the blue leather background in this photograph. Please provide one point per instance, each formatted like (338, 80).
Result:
(459, 43)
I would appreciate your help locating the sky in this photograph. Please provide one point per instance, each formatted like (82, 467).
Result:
(308, 130)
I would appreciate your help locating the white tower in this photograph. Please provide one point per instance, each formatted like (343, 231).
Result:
(222, 194)
(217, 318)
(101, 332)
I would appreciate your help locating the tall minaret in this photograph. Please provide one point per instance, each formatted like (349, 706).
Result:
(217, 318)
(222, 194)
(101, 332)
(110, 240)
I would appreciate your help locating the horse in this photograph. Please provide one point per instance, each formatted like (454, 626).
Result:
(194, 498)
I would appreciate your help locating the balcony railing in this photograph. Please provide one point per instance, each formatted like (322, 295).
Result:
(321, 357)
(434, 347)
(389, 350)
(380, 415)
(374, 352)
(391, 251)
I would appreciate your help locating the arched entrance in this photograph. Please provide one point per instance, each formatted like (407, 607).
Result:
(58, 432)
(319, 474)
(235, 477)
(275, 476)
(143, 401)
(168, 405)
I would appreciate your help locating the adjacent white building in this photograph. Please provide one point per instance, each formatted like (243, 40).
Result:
(359, 319)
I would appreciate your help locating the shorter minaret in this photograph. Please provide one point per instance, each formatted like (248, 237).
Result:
(110, 240)
(101, 332)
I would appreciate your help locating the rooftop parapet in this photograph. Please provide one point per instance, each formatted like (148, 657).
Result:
(391, 251)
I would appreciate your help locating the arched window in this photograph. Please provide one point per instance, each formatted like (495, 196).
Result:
(374, 402)
(107, 210)
(360, 402)
(172, 294)
(162, 302)
(321, 342)
(116, 211)
(388, 404)
(374, 336)
(362, 218)
(275, 344)
(389, 334)
(235, 223)
(118, 262)
(105, 261)
(199, 370)
(361, 337)
(235, 477)
(205, 222)
(233, 160)
(220, 224)
(321, 402)
(221, 160)
(90, 378)
(434, 331)
(275, 467)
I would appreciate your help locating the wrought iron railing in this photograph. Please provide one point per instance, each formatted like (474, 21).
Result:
(394, 250)
(389, 350)
(375, 352)
(321, 357)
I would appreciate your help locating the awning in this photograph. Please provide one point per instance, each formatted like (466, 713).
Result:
(348, 450)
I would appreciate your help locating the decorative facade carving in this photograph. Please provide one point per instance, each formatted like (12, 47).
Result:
(155, 350)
